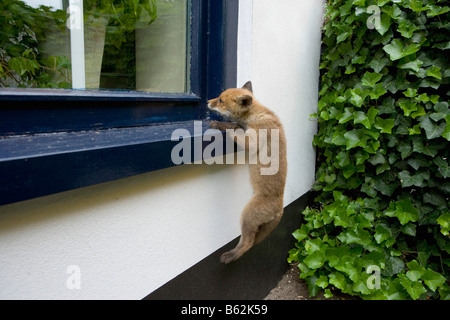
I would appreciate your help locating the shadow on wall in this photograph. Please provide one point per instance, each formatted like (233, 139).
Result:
(53, 208)
(250, 277)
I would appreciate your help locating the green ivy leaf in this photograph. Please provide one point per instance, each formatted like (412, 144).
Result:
(405, 149)
(359, 138)
(418, 162)
(419, 112)
(433, 279)
(409, 229)
(397, 49)
(403, 210)
(414, 130)
(301, 233)
(446, 132)
(385, 125)
(315, 260)
(377, 159)
(444, 167)
(357, 97)
(313, 245)
(370, 78)
(360, 117)
(434, 10)
(442, 111)
(348, 115)
(343, 159)
(355, 138)
(328, 294)
(377, 91)
(358, 236)
(313, 290)
(338, 280)
(393, 265)
(381, 3)
(408, 180)
(435, 199)
(408, 106)
(416, 6)
(434, 72)
(442, 46)
(361, 156)
(380, 185)
(416, 271)
(379, 62)
(385, 24)
(426, 148)
(406, 28)
(322, 282)
(444, 221)
(344, 33)
(413, 65)
(414, 288)
(410, 93)
(432, 129)
(383, 233)
(349, 69)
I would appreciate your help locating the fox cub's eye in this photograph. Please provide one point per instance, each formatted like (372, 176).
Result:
(220, 100)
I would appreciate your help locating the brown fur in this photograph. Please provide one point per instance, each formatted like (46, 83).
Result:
(262, 214)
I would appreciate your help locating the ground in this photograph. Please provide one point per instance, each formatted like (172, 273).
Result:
(291, 287)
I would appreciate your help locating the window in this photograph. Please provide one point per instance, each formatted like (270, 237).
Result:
(96, 44)
(90, 91)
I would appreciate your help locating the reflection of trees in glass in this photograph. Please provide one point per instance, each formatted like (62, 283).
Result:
(24, 60)
(148, 54)
(35, 43)
(129, 44)
(119, 60)
(118, 68)
(162, 53)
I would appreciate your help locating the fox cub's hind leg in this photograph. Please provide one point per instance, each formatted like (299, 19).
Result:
(267, 228)
(248, 234)
(257, 221)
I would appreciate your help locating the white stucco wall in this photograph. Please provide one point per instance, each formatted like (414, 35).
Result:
(129, 237)
(285, 60)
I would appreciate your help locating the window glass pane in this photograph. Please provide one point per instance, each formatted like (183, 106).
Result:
(95, 44)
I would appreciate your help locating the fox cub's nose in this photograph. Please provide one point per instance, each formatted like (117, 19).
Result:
(211, 103)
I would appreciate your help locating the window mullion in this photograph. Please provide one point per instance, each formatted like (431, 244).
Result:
(76, 26)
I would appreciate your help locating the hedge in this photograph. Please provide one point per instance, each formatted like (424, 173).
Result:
(379, 226)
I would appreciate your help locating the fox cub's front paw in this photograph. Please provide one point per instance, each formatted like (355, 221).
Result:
(223, 125)
(215, 125)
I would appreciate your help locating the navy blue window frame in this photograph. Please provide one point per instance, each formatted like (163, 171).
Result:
(58, 140)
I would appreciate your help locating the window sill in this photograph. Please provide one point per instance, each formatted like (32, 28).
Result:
(37, 165)
(32, 94)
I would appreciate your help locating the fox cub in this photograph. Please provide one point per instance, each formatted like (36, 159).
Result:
(262, 214)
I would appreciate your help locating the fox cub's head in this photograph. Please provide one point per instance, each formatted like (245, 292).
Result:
(233, 104)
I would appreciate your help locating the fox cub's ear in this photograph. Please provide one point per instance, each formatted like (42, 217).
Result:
(245, 100)
(248, 86)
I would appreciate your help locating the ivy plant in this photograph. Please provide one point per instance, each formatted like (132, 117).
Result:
(24, 29)
(379, 226)
(22, 63)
